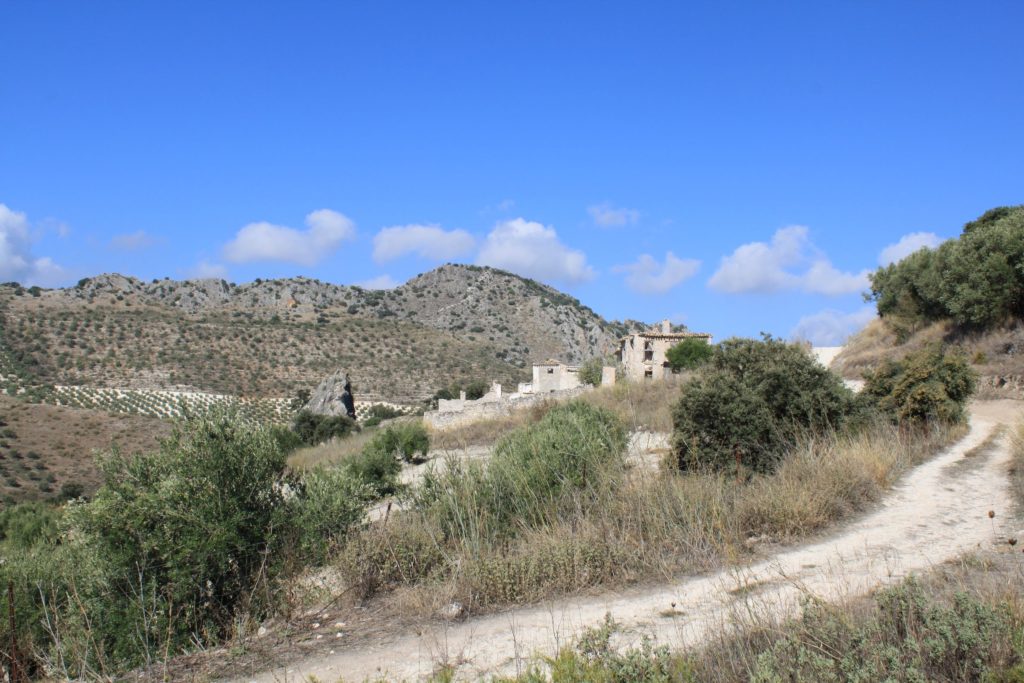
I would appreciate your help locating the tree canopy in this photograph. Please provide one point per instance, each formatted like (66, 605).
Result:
(976, 280)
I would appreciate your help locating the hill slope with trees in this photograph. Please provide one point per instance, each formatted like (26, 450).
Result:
(966, 295)
(273, 337)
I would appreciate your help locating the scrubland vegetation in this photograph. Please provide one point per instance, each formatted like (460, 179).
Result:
(197, 542)
(959, 624)
(967, 295)
(963, 621)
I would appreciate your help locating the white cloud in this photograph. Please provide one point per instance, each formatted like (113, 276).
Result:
(134, 241)
(16, 260)
(206, 270)
(831, 327)
(647, 276)
(426, 241)
(907, 245)
(268, 242)
(824, 278)
(379, 282)
(506, 205)
(531, 249)
(607, 216)
(762, 267)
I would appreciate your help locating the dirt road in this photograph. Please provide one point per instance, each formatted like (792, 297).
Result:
(938, 511)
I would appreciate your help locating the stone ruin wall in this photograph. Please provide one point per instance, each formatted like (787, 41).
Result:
(473, 411)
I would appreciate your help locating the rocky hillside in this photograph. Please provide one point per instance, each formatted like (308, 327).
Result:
(997, 355)
(274, 337)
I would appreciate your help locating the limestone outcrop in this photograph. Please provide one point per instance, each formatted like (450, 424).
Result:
(326, 399)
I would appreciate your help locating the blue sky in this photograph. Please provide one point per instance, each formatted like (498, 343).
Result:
(737, 166)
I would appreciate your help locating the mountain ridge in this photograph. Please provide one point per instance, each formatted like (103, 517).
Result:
(465, 322)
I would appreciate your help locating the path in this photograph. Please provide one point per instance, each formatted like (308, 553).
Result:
(938, 511)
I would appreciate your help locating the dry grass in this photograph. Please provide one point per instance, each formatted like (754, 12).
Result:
(823, 481)
(1017, 468)
(878, 342)
(645, 406)
(993, 353)
(43, 447)
(632, 527)
(640, 406)
(330, 453)
(486, 432)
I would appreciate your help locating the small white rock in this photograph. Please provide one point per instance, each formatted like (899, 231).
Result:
(262, 631)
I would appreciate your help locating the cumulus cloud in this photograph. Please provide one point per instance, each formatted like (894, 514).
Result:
(531, 249)
(907, 245)
(135, 241)
(789, 261)
(268, 242)
(207, 270)
(426, 241)
(607, 216)
(831, 327)
(379, 282)
(648, 276)
(16, 260)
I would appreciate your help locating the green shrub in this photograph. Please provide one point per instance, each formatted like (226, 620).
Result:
(574, 448)
(924, 386)
(474, 390)
(590, 372)
(376, 469)
(189, 536)
(25, 525)
(593, 659)
(287, 439)
(689, 354)
(407, 441)
(383, 412)
(755, 399)
(315, 429)
(911, 637)
(331, 503)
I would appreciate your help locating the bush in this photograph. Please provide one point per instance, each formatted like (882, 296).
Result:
(755, 398)
(689, 354)
(383, 412)
(572, 449)
(911, 637)
(590, 372)
(315, 429)
(71, 490)
(189, 536)
(376, 469)
(474, 390)
(332, 502)
(408, 441)
(287, 439)
(25, 525)
(924, 386)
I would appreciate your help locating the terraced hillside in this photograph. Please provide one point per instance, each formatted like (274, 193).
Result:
(274, 337)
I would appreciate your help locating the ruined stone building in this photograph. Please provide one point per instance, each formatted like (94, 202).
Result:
(553, 375)
(642, 354)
